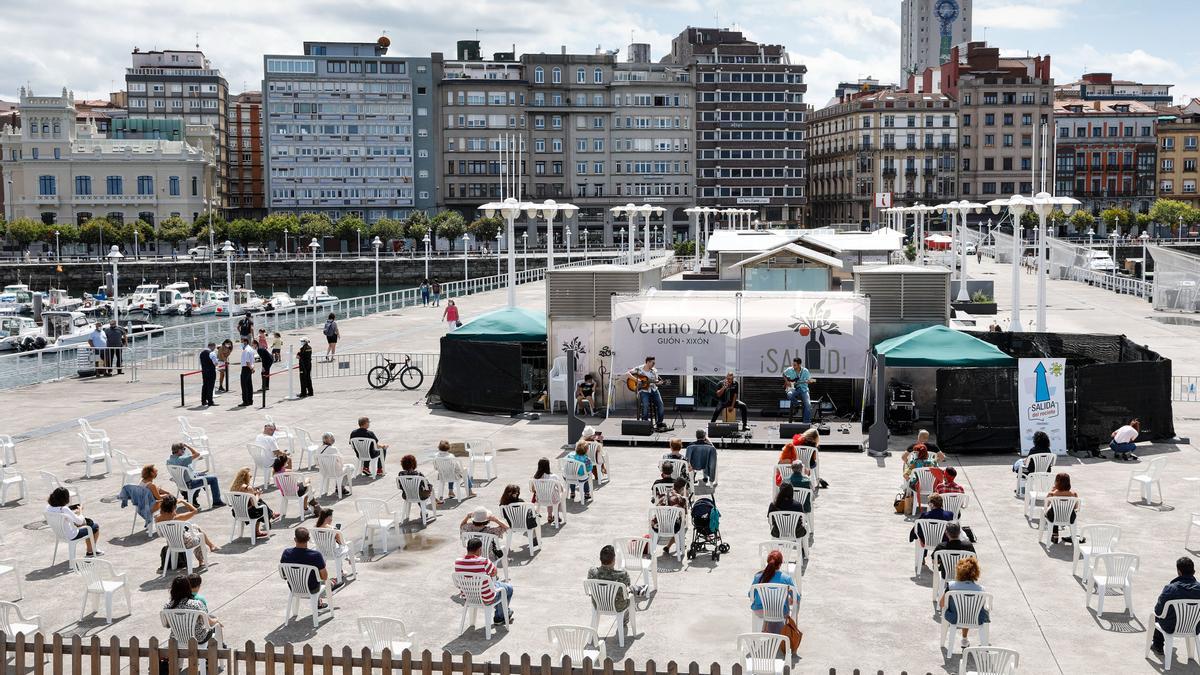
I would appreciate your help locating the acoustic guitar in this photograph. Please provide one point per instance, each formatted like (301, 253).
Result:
(637, 383)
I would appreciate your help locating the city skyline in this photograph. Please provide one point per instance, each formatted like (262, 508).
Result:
(836, 41)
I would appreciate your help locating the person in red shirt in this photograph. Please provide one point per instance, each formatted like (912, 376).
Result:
(948, 483)
(474, 562)
(450, 315)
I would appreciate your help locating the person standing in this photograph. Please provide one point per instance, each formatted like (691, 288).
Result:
(424, 292)
(796, 379)
(208, 373)
(114, 335)
(247, 362)
(246, 327)
(331, 336)
(450, 315)
(266, 361)
(99, 344)
(223, 354)
(436, 289)
(305, 360)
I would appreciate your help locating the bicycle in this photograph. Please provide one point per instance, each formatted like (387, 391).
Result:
(409, 375)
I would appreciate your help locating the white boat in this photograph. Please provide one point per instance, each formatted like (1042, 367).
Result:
(65, 328)
(280, 300)
(15, 329)
(206, 301)
(171, 301)
(94, 307)
(244, 301)
(57, 299)
(319, 293)
(9, 294)
(1099, 261)
(182, 286)
(143, 300)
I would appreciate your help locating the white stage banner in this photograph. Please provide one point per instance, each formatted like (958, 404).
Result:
(1041, 401)
(751, 334)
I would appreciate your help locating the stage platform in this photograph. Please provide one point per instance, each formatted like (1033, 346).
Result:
(763, 434)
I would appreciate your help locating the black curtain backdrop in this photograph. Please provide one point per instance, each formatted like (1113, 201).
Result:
(479, 377)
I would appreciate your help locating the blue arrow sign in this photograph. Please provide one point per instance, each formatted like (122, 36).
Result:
(1041, 390)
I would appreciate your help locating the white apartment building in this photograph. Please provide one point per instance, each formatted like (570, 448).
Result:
(57, 170)
(928, 30)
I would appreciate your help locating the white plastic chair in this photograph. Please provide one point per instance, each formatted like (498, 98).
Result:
(13, 622)
(173, 531)
(289, 492)
(95, 452)
(805, 455)
(632, 557)
(604, 603)
(261, 459)
(50, 483)
(449, 470)
(955, 502)
(9, 478)
(782, 473)
(577, 643)
(1037, 486)
(296, 576)
(378, 519)
(491, 544)
(969, 606)
(100, 580)
(325, 539)
(931, 532)
(989, 661)
(91, 432)
(1041, 462)
(793, 556)
(1187, 617)
(679, 469)
(1059, 509)
(660, 490)
(481, 451)
(778, 602)
(8, 451)
(382, 633)
(573, 474)
(1099, 539)
(65, 532)
(1147, 478)
(131, 473)
(668, 517)
(11, 566)
(336, 474)
(181, 476)
(518, 517)
(599, 457)
(410, 489)
(785, 523)
(551, 494)
(1112, 570)
(362, 450)
(240, 501)
(308, 449)
(185, 625)
(925, 480)
(559, 389)
(945, 565)
(761, 653)
(198, 439)
(471, 586)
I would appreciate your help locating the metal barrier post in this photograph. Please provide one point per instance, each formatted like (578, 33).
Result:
(291, 374)
(182, 400)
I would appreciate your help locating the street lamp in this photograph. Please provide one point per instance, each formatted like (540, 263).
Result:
(548, 210)
(135, 240)
(498, 246)
(1091, 233)
(585, 243)
(57, 250)
(1180, 234)
(646, 211)
(377, 243)
(1115, 237)
(524, 251)
(1016, 206)
(228, 250)
(466, 240)
(567, 236)
(693, 212)
(958, 210)
(315, 246)
(426, 240)
(622, 245)
(629, 211)
(285, 241)
(1043, 204)
(114, 255)
(1145, 238)
(509, 209)
(358, 241)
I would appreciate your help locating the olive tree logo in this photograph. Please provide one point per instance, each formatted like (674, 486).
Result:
(576, 345)
(815, 326)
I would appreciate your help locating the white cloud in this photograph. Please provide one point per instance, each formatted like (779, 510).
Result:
(1019, 17)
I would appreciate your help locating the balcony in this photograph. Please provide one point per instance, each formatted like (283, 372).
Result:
(910, 171)
(889, 171)
(889, 145)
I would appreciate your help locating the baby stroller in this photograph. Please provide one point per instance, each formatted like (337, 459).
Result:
(706, 530)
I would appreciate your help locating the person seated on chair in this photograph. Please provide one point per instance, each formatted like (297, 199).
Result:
(702, 456)
(255, 506)
(308, 500)
(1183, 587)
(800, 479)
(791, 451)
(596, 452)
(922, 439)
(408, 467)
(443, 452)
(949, 483)
(772, 573)
(477, 563)
(664, 478)
(585, 395)
(268, 440)
(1124, 441)
(675, 451)
(935, 512)
(607, 571)
(512, 495)
(149, 473)
(1062, 488)
(483, 520)
(581, 456)
(966, 578)
(60, 502)
(955, 541)
(174, 510)
(648, 395)
(179, 459)
(341, 548)
(676, 497)
(552, 502)
(182, 598)
(377, 449)
(728, 395)
(785, 501)
(301, 554)
(919, 458)
(796, 379)
(346, 480)
(196, 581)
(1041, 445)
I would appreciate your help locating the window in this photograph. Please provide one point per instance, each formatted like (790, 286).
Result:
(598, 167)
(539, 75)
(145, 185)
(1189, 165)
(598, 145)
(598, 76)
(83, 185)
(581, 145)
(1008, 140)
(581, 168)
(989, 119)
(556, 145)
(556, 121)
(1008, 119)
(581, 76)
(1168, 143)
(989, 139)
(173, 185)
(114, 185)
(539, 145)
(195, 186)
(539, 122)
(556, 75)
(597, 122)
(47, 186)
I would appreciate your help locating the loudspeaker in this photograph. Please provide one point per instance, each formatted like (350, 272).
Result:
(787, 430)
(637, 427)
(722, 430)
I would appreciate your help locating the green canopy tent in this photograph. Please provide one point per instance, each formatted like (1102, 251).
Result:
(932, 347)
(484, 364)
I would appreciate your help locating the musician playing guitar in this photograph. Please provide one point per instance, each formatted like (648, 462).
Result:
(728, 393)
(795, 382)
(644, 379)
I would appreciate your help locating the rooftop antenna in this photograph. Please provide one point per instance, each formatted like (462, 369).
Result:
(197, 40)
(477, 35)
(985, 28)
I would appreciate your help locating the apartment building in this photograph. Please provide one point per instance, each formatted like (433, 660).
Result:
(751, 149)
(349, 131)
(1178, 156)
(1102, 87)
(875, 146)
(1105, 153)
(182, 85)
(247, 185)
(64, 171)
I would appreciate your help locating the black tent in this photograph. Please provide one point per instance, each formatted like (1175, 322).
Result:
(482, 364)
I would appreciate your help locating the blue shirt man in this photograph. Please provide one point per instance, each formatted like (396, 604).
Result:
(796, 379)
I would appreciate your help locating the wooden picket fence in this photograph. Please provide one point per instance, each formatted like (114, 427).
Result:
(57, 655)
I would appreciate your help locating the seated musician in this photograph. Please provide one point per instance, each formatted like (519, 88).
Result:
(728, 393)
(585, 395)
(795, 381)
(646, 380)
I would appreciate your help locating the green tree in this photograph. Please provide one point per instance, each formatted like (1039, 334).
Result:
(98, 229)
(1144, 221)
(416, 226)
(485, 229)
(449, 225)
(67, 233)
(1029, 219)
(1117, 217)
(1082, 220)
(144, 230)
(315, 226)
(348, 228)
(204, 219)
(1168, 212)
(174, 230)
(685, 248)
(25, 231)
(244, 231)
(273, 226)
(386, 229)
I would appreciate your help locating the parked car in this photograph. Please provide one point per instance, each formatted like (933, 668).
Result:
(199, 253)
(970, 249)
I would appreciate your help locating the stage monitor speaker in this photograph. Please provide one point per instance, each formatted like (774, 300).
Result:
(637, 427)
(722, 430)
(685, 403)
(788, 429)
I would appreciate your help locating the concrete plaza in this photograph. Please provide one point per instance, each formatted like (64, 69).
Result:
(862, 607)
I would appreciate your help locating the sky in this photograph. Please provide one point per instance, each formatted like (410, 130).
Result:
(85, 46)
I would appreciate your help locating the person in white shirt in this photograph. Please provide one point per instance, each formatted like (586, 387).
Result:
(248, 354)
(89, 531)
(347, 468)
(443, 452)
(268, 440)
(1123, 440)
(98, 343)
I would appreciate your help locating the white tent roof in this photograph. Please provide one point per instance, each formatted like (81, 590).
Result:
(883, 239)
(796, 250)
(750, 241)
